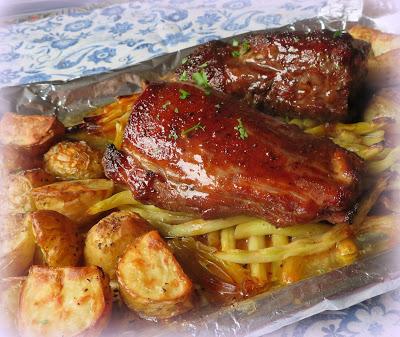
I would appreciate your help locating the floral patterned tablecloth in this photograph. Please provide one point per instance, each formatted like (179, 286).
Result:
(71, 43)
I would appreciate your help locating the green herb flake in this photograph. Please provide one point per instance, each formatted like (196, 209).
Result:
(338, 33)
(244, 48)
(184, 76)
(183, 94)
(45, 321)
(236, 53)
(235, 43)
(166, 104)
(205, 64)
(184, 60)
(196, 127)
(173, 135)
(200, 78)
(176, 110)
(241, 129)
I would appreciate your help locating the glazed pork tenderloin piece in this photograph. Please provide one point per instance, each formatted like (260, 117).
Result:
(186, 149)
(291, 74)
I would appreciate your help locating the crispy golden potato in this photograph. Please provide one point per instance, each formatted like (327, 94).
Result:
(10, 289)
(74, 160)
(384, 70)
(151, 281)
(30, 134)
(107, 240)
(57, 238)
(384, 103)
(20, 185)
(72, 198)
(67, 302)
(17, 245)
(380, 42)
(12, 160)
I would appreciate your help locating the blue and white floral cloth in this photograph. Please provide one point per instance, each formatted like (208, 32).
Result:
(76, 42)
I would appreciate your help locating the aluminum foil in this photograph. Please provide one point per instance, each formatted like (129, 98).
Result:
(267, 312)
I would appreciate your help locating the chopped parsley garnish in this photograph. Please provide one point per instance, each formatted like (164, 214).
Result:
(241, 129)
(196, 127)
(45, 321)
(236, 53)
(235, 43)
(184, 76)
(184, 60)
(165, 105)
(183, 94)
(244, 48)
(173, 135)
(338, 33)
(176, 110)
(205, 64)
(200, 78)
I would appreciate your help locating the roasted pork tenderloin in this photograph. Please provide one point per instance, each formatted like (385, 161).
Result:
(290, 74)
(186, 149)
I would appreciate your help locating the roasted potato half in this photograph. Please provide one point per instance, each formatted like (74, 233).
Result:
(10, 289)
(107, 240)
(30, 134)
(72, 198)
(380, 42)
(57, 238)
(17, 245)
(74, 301)
(151, 281)
(73, 160)
(20, 185)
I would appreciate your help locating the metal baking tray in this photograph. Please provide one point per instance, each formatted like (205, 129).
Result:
(341, 288)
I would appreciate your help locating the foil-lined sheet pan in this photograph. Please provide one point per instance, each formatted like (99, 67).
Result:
(371, 276)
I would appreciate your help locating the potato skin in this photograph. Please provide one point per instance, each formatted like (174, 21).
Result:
(380, 42)
(57, 237)
(72, 198)
(17, 245)
(30, 134)
(73, 160)
(107, 240)
(19, 187)
(383, 65)
(74, 301)
(151, 281)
